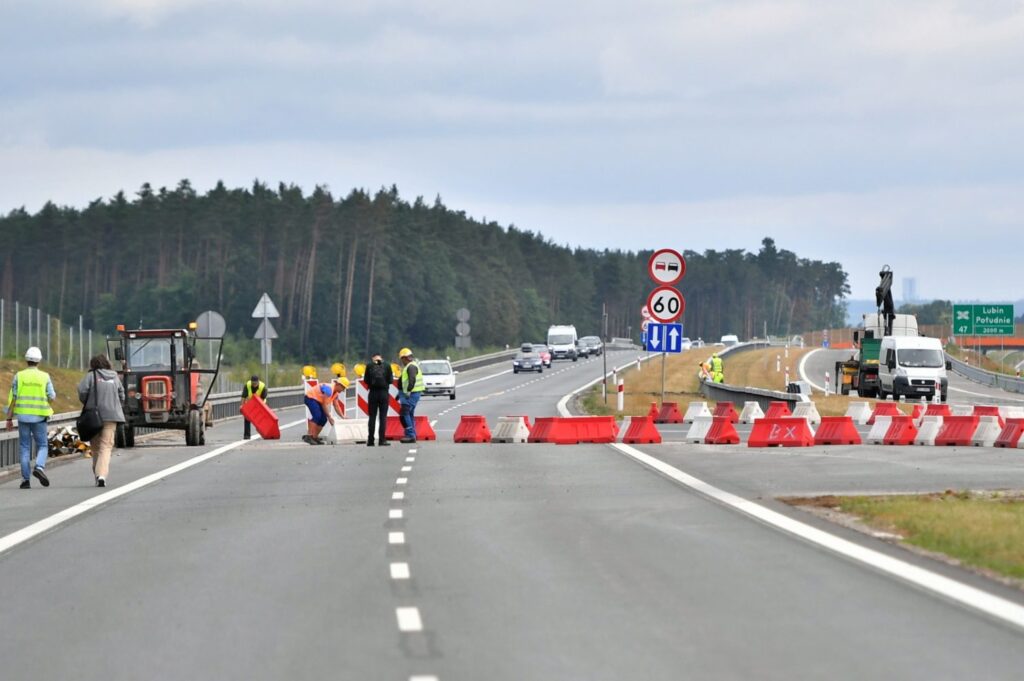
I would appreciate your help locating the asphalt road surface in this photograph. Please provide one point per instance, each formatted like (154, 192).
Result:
(273, 560)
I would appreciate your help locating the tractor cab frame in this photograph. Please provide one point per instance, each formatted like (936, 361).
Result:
(165, 384)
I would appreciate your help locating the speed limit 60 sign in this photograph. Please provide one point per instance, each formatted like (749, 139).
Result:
(666, 304)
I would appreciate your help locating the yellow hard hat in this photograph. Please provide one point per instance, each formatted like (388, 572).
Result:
(309, 371)
(338, 369)
(342, 381)
(360, 369)
(395, 369)
(404, 352)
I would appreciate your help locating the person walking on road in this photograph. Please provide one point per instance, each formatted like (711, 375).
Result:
(29, 399)
(102, 386)
(410, 388)
(253, 388)
(378, 377)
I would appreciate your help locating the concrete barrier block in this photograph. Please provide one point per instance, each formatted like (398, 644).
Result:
(860, 412)
(809, 411)
(751, 412)
(878, 430)
(695, 410)
(699, 429)
(928, 429)
(350, 431)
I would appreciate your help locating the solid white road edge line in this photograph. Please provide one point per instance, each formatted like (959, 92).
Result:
(37, 528)
(974, 598)
(563, 410)
(801, 370)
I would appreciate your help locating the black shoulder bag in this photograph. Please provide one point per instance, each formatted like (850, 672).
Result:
(90, 423)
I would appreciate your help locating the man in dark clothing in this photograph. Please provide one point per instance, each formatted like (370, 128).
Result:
(378, 377)
(254, 387)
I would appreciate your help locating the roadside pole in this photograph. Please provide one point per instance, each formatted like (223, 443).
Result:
(604, 350)
(663, 378)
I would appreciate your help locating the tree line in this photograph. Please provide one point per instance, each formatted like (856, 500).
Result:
(371, 271)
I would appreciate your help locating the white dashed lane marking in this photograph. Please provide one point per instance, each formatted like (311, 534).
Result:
(398, 496)
(400, 571)
(406, 469)
(401, 481)
(409, 620)
(396, 514)
(410, 459)
(396, 537)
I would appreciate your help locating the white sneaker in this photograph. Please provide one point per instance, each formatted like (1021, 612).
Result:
(101, 482)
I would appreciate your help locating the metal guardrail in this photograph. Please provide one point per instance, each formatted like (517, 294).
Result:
(990, 378)
(226, 405)
(724, 392)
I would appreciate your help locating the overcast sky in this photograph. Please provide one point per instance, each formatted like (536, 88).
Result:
(866, 132)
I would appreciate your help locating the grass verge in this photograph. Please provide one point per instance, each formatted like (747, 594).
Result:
(982, 530)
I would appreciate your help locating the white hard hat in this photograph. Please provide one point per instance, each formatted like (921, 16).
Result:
(33, 354)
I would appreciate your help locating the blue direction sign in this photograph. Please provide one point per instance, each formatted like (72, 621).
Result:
(664, 338)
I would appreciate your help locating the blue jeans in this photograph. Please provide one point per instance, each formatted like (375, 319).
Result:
(26, 433)
(408, 413)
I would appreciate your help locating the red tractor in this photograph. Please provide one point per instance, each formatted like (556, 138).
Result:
(165, 385)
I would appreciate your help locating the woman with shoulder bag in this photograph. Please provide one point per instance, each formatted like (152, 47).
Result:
(102, 387)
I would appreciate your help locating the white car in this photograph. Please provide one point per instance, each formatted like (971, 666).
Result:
(438, 377)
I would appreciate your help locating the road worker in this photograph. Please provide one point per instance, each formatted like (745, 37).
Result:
(29, 399)
(717, 370)
(410, 388)
(254, 388)
(317, 399)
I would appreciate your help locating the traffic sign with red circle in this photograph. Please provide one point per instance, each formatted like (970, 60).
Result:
(666, 304)
(645, 312)
(666, 266)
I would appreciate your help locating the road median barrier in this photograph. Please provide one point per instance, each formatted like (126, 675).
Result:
(699, 429)
(963, 410)
(696, 410)
(640, 430)
(726, 410)
(928, 429)
(722, 432)
(837, 430)
(884, 409)
(571, 430)
(1010, 436)
(654, 412)
(987, 432)
(511, 429)
(988, 410)
(901, 431)
(472, 428)
(876, 436)
(751, 412)
(809, 411)
(957, 431)
(785, 431)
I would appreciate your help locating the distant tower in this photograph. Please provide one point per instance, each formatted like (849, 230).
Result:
(909, 289)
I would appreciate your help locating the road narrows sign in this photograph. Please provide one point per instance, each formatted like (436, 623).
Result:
(666, 304)
(666, 266)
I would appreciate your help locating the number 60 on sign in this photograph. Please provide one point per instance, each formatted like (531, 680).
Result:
(666, 304)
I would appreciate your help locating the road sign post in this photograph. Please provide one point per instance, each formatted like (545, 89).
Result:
(265, 310)
(665, 304)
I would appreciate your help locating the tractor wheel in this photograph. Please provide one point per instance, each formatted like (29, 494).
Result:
(194, 428)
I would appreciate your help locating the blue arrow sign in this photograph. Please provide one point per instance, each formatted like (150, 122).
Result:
(664, 338)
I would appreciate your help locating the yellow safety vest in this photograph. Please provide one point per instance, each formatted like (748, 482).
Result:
(716, 364)
(250, 392)
(32, 398)
(417, 387)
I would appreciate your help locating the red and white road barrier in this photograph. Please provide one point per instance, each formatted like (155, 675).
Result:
(363, 398)
(621, 389)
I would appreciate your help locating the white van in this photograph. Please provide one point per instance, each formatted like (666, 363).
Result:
(911, 367)
(562, 342)
(730, 339)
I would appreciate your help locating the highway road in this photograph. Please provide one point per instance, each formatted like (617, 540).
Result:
(271, 560)
(961, 390)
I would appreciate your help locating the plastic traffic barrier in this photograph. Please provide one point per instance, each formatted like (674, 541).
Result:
(884, 409)
(808, 411)
(917, 413)
(472, 428)
(726, 410)
(987, 410)
(396, 431)
(572, 430)
(928, 430)
(957, 431)
(669, 413)
(695, 410)
(511, 429)
(653, 412)
(262, 418)
(751, 412)
(641, 431)
(722, 432)
(1010, 436)
(837, 430)
(963, 410)
(777, 410)
(936, 409)
(987, 431)
(786, 431)
(879, 428)
(351, 431)
(699, 429)
(860, 412)
(902, 431)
